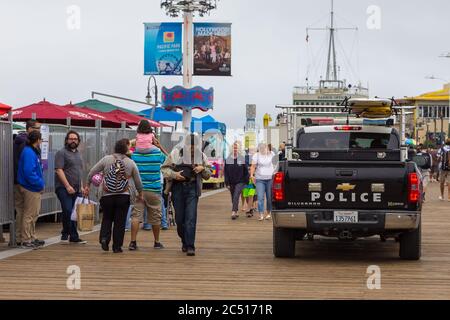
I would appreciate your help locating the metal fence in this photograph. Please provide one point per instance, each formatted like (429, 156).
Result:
(95, 144)
(6, 179)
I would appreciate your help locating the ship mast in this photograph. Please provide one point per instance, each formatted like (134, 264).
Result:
(331, 48)
(331, 74)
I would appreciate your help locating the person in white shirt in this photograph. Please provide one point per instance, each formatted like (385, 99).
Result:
(263, 167)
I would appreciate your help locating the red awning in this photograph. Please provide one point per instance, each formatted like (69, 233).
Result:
(47, 112)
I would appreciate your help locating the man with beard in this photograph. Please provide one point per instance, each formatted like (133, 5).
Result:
(68, 185)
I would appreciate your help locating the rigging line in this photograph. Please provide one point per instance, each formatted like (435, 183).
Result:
(358, 67)
(319, 61)
(320, 20)
(347, 61)
(345, 20)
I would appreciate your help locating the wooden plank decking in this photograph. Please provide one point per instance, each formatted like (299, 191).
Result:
(234, 261)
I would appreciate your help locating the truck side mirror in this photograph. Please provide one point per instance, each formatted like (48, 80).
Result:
(420, 160)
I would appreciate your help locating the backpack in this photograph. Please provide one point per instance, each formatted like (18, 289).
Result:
(445, 162)
(116, 180)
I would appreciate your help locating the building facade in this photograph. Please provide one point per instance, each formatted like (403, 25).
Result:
(432, 116)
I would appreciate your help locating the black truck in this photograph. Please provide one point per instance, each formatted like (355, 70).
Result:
(348, 182)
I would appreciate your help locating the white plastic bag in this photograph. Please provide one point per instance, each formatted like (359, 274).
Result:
(79, 200)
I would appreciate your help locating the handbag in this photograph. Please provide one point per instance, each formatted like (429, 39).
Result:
(85, 215)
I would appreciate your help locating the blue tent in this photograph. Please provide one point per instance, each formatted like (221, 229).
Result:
(208, 123)
(163, 115)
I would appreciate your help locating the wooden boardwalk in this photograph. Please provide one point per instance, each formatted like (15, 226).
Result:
(234, 261)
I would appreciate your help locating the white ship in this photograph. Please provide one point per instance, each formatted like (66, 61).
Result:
(330, 92)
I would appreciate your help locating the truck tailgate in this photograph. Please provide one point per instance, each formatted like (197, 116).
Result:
(346, 185)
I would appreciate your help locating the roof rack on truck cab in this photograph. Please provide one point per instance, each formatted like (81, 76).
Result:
(373, 112)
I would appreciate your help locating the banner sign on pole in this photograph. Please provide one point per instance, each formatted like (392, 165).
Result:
(212, 49)
(187, 99)
(163, 49)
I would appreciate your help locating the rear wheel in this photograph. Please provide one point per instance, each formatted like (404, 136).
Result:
(411, 244)
(283, 242)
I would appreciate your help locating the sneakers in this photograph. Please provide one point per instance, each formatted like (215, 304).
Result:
(184, 249)
(118, 250)
(441, 198)
(234, 216)
(105, 245)
(190, 252)
(29, 245)
(249, 213)
(133, 246)
(268, 217)
(261, 217)
(158, 245)
(38, 243)
(78, 241)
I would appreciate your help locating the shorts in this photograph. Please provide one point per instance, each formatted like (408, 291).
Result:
(152, 202)
(444, 176)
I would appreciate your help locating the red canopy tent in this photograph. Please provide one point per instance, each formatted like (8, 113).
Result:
(4, 108)
(105, 117)
(47, 112)
(132, 119)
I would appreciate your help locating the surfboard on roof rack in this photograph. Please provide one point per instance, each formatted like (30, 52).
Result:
(369, 108)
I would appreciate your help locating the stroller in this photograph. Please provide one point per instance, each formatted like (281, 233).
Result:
(170, 211)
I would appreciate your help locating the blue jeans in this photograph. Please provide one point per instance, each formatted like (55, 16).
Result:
(67, 200)
(185, 201)
(264, 187)
(164, 224)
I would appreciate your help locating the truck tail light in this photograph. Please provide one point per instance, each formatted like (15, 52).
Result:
(413, 188)
(278, 187)
(348, 128)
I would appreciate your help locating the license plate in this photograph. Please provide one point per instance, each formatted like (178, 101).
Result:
(346, 216)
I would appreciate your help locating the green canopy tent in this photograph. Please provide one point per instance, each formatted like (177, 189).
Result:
(18, 127)
(103, 106)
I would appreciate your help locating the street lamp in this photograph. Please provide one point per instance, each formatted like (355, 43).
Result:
(149, 96)
(432, 77)
(174, 8)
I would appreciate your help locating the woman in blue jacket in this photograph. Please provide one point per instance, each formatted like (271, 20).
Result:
(31, 181)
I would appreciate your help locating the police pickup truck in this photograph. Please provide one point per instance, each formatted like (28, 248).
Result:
(348, 182)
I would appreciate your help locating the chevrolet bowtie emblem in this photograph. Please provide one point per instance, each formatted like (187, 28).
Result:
(346, 187)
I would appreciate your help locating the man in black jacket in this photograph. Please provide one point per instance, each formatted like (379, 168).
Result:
(20, 143)
(236, 177)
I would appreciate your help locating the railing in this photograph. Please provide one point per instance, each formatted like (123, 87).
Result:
(6, 179)
(338, 91)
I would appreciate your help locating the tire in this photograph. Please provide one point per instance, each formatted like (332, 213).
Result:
(283, 242)
(411, 244)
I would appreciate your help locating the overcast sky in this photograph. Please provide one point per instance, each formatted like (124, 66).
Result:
(41, 57)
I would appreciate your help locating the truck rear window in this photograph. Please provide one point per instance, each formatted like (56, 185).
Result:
(347, 140)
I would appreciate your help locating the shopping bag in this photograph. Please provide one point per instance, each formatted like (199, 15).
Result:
(78, 201)
(85, 215)
(249, 190)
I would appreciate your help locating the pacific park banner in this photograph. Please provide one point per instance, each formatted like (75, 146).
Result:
(212, 49)
(163, 49)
